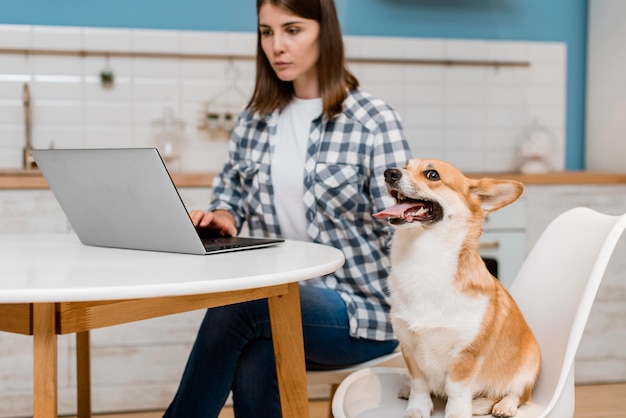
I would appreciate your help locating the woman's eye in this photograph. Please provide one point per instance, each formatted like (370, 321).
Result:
(265, 32)
(431, 175)
(293, 31)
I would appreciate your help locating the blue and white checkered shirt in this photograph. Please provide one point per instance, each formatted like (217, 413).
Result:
(343, 186)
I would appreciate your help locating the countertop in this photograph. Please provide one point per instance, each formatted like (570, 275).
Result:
(32, 179)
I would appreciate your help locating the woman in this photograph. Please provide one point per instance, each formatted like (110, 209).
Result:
(306, 116)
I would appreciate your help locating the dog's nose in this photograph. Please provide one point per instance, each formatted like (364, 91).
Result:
(392, 175)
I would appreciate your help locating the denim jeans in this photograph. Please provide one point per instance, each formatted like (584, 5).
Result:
(233, 352)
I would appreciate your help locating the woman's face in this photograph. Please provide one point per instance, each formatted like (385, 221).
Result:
(291, 44)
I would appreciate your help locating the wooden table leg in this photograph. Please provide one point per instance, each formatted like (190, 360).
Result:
(83, 374)
(44, 361)
(286, 322)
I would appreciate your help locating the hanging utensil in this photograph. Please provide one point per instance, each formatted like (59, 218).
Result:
(28, 160)
(107, 76)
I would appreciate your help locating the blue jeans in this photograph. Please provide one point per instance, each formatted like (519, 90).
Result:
(233, 351)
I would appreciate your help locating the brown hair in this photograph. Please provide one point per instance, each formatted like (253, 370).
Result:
(271, 93)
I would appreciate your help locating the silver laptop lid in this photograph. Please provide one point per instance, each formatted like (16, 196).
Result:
(122, 198)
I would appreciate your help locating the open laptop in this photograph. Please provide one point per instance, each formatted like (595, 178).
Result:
(125, 198)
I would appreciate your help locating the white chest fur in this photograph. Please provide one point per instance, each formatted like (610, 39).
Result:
(431, 314)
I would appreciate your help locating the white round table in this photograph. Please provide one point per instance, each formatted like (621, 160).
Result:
(52, 284)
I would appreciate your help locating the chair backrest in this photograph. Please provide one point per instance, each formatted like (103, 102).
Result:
(556, 287)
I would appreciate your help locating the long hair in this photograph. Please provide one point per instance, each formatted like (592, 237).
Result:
(271, 93)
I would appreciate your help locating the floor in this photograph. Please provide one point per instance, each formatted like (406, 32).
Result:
(592, 401)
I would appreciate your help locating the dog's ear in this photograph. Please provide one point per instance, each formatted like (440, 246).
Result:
(494, 194)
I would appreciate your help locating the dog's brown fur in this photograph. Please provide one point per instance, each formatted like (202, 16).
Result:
(461, 333)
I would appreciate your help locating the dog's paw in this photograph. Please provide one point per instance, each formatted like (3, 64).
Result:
(482, 405)
(505, 408)
(404, 392)
(415, 413)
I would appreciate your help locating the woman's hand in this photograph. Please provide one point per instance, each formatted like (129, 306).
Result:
(220, 221)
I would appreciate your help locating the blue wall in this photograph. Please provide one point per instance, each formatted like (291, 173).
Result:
(534, 20)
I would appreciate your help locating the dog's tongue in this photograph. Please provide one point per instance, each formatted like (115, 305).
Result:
(395, 211)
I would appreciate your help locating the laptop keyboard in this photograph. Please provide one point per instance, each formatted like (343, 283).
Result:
(221, 243)
(224, 243)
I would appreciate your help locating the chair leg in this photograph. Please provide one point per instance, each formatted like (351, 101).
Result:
(333, 389)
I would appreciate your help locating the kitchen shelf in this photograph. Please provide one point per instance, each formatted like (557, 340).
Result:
(190, 56)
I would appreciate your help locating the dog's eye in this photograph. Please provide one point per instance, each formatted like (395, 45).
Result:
(431, 175)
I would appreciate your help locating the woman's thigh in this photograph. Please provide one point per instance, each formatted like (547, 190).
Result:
(327, 340)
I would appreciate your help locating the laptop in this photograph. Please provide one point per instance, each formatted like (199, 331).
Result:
(125, 198)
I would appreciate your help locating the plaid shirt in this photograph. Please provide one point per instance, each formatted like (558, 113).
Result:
(343, 186)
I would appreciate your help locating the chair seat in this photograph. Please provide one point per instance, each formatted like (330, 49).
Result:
(335, 376)
(373, 393)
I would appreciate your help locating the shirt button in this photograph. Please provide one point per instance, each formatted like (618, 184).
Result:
(310, 215)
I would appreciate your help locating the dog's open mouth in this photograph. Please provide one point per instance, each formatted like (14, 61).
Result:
(411, 210)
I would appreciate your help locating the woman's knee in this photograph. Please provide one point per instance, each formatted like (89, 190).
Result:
(244, 320)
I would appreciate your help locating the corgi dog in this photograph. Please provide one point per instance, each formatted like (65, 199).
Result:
(461, 334)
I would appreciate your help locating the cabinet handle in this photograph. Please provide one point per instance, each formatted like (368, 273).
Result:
(491, 245)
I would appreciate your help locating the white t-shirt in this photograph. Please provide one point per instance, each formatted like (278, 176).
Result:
(292, 137)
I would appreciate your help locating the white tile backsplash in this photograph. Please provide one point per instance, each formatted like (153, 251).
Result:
(47, 136)
(107, 114)
(12, 137)
(58, 112)
(507, 50)
(471, 117)
(425, 49)
(464, 75)
(106, 39)
(547, 53)
(56, 88)
(353, 45)
(470, 94)
(424, 93)
(381, 48)
(444, 108)
(10, 158)
(160, 41)
(15, 36)
(56, 37)
(501, 139)
(15, 67)
(388, 73)
(461, 49)
(11, 112)
(108, 137)
(464, 139)
(240, 44)
(506, 95)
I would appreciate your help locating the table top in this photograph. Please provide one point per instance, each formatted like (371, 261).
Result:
(59, 268)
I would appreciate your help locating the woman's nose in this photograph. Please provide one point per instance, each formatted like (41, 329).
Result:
(278, 44)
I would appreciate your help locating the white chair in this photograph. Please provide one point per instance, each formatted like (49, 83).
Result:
(555, 289)
(334, 377)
